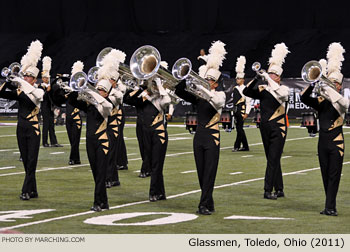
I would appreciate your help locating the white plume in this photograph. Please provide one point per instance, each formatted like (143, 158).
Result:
(47, 64)
(240, 64)
(323, 64)
(78, 66)
(278, 54)
(110, 66)
(120, 56)
(216, 55)
(202, 71)
(33, 55)
(164, 64)
(335, 57)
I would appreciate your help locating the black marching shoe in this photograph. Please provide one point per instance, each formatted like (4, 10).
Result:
(108, 184)
(148, 174)
(122, 167)
(235, 149)
(279, 193)
(72, 162)
(96, 208)
(56, 145)
(211, 209)
(161, 197)
(243, 149)
(203, 210)
(330, 212)
(152, 198)
(270, 195)
(46, 145)
(142, 175)
(104, 206)
(33, 195)
(24, 196)
(115, 183)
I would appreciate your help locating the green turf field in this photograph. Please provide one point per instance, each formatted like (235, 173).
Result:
(68, 190)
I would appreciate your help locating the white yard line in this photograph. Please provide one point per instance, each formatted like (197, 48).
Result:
(286, 157)
(185, 172)
(56, 153)
(247, 156)
(146, 201)
(7, 167)
(235, 173)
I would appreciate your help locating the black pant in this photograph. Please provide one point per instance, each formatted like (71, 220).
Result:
(145, 168)
(122, 158)
(206, 154)
(154, 151)
(48, 124)
(112, 171)
(331, 163)
(28, 143)
(273, 144)
(98, 163)
(241, 137)
(74, 133)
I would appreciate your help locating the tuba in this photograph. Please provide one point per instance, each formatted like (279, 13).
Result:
(182, 69)
(145, 64)
(13, 70)
(92, 73)
(312, 72)
(79, 82)
(126, 77)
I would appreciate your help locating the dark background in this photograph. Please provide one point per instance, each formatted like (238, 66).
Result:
(79, 29)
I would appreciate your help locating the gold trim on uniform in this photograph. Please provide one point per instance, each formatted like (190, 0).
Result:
(162, 134)
(102, 127)
(281, 121)
(77, 117)
(36, 126)
(283, 128)
(283, 135)
(2, 85)
(279, 111)
(76, 110)
(113, 122)
(320, 99)
(261, 88)
(120, 111)
(240, 100)
(341, 153)
(34, 112)
(162, 140)
(337, 123)
(341, 146)
(216, 135)
(37, 132)
(106, 144)
(133, 93)
(105, 150)
(161, 127)
(215, 119)
(215, 127)
(157, 119)
(34, 118)
(114, 111)
(103, 137)
(339, 138)
(216, 142)
(19, 91)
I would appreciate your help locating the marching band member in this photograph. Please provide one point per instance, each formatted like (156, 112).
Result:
(97, 108)
(206, 143)
(109, 71)
(331, 107)
(152, 102)
(273, 103)
(28, 131)
(47, 107)
(242, 106)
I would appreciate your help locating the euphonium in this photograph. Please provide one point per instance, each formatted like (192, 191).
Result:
(79, 82)
(145, 64)
(312, 72)
(126, 77)
(13, 70)
(182, 69)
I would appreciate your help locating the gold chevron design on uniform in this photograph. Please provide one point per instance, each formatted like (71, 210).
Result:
(79, 126)
(240, 100)
(283, 135)
(215, 127)
(19, 91)
(34, 118)
(120, 112)
(133, 93)
(76, 117)
(157, 119)
(106, 144)
(34, 112)
(37, 132)
(2, 85)
(320, 99)
(36, 126)
(214, 120)
(75, 111)
(114, 111)
(103, 136)
(339, 138)
(162, 134)
(106, 151)
(341, 153)
(113, 122)
(116, 134)
(341, 146)
(78, 122)
(161, 127)
(261, 88)
(102, 127)
(279, 111)
(162, 140)
(216, 142)
(216, 135)
(283, 128)
(115, 129)
(281, 121)
(337, 123)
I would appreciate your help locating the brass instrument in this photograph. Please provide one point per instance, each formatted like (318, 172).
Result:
(182, 70)
(312, 72)
(79, 82)
(145, 64)
(92, 73)
(126, 77)
(14, 70)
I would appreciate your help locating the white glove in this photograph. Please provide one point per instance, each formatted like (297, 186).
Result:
(67, 89)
